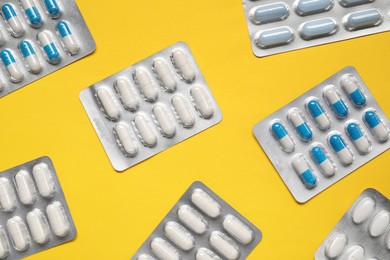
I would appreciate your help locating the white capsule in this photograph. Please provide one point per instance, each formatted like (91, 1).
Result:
(224, 245)
(12, 18)
(15, 74)
(363, 210)
(4, 245)
(129, 100)
(25, 187)
(108, 104)
(206, 254)
(145, 257)
(126, 140)
(58, 220)
(168, 128)
(164, 74)
(147, 135)
(163, 250)
(68, 38)
(179, 236)
(183, 111)
(336, 245)
(18, 233)
(355, 253)
(44, 180)
(145, 84)
(379, 223)
(237, 229)
(7, 196)
(202, 101)
(38, 226)
(183, 65)
(206, 203)
(192, 219)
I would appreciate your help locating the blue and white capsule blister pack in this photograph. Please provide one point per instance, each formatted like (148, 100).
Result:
(38, 38)
(278, 26)
(34, 215)
(325, 134)
(200, 226)
(363, 233)
(150, 106)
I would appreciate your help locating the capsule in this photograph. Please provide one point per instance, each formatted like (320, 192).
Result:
(363, 210)
(376, 126)
(224, 245)
(46, 40)
(129, 100)
(355, 253)
(237, 229)
(108, 104)
(147, 135)
(359, 139)
(336, 245)
(126, 139)
(351, 87)
(205, 203)
(164, 74)
(44, 180)
(349, 3)
(145, 85)
(274, 37)
(13, 20)
(25, 187)
(7, 196)
(53, 8)
(167, 127)
(58, 220)
(336, 103)
(12, 67)
(38, 226)
(300, 124)
(269, 13)
(308, 7)
(18, 233)
(183, 111)
(318, 113)
(184, 66)
(4, 245)
(318, 28)
(202, 101)
(30, 57)
(379, 223)
(32, 13)
(282, 136)
(68, 38)
(341, 149)
(163, 250)
(322, 160)
(362, 19)
(206, 254)
(304, 172)
(192, 219)
(179, 236)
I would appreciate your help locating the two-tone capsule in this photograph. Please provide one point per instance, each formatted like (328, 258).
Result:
(52, 8)
(14, 72)
(378, 129)
(318, 113)
(305, 173)
(47, 43)
(336, 103)
(351, 87)
(322, 160)
(340, 148)
(358, 138)
(300, 124)
(13, 20)
(30, 57)
(68, 38)
(32, 13)
(281, 135)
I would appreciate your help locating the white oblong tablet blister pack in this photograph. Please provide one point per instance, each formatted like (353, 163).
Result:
(201, 226)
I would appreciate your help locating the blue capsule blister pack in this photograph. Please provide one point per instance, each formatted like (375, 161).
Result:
(38, 38)
(325, 134)
(278, 26)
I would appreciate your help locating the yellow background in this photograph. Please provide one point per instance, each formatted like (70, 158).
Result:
(115, 212)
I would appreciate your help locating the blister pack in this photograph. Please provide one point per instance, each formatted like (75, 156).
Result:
(325, 134)
(39, 37)
(279, 26)
(362, 233)
(150, 106)
(34, 214)
(200, 226)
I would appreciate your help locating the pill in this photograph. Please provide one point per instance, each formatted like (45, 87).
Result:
(237, 229)
(359, 139)
(351, 87)
(362, 19)
(355, 253)
(376, 126)
(206, 254)
(44, 180)
(388, 240)
(145, 257)
(341, 149)
(183, 65)
(53, 8)
(164, 74)
(318, 28)
(179, 236)
(163, 250)
(379, 223)
(58, 220)
(300, 124)
(183, 111)
(46, 40)
(7, 196)
(308, 7)
(336, 245)
(25, 187)
(4, 245)
(336, 103)
(192, 219)
(274, 37)
(318, 113)
(349, 3)
(145, 85)
(322, 160)
(302, 168)
(68, 38)
(12, 67)
(126, 139)
(280, 133)
(202, 101)
(269, 13)
(32, 13)
(12, 18)
(38, 226)
(363, 210)
(205, 203)
(18, 233)
(30, 57)
(167, 127)
(108, 104)
(147, 135)
(128, 99)
(224, 245)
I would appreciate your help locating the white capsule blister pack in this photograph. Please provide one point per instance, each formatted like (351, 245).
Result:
(325, 134)
(363, 233)
(280, 26)
(38, 37)
(150, 106)
(34, 215)
(200, 226)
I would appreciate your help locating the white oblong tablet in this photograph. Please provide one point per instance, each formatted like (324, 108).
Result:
(336, 245)
(147, 135)
(237, 229)
(7, 196)
(179, 236)
(108, 104)
(184, 66)
(58, 220)
(363, 210)
(129, 100)
(379, 223)
(38, 226)
(355, 253)
(18, 233)
(192, 219)
(4, 245)
(206, 254)
(25, 187)
(167, 127)
(164, 74)
(205, 203)
(145, 257)
(183, 111)
(145, 85)
(126, 139)
(44, 180)
(202, 101)
(224, 245)
(163, 250)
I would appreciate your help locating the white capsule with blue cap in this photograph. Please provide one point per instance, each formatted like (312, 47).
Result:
(322, 159)
(340, 148)
(53, 8)
(300, 124)
(13, 21)
(12, 67)
(32, 13)
(318, 113)
(281, 135)
(305, 173)
(336, 103)
(50, 49)
(351, 87)
(68, 38)
(358, 138)
(376, 126)
(30, 57)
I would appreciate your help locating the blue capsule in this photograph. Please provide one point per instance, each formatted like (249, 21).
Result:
(322, 160)
(352, 89)
(13, 21)
(318, 114)
(281, 135)
(32, 13)
(376, 126)
(304, 172)
(341, 149)
(358, 138)
(47, 43)
(53, 8)
(337, 104)
(300, 125)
